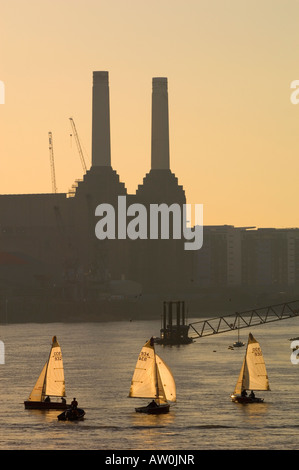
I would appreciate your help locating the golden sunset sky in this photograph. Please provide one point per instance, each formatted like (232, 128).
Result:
(234, 133)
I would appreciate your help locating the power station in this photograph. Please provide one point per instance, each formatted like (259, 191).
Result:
(53, 267)
(50, 258)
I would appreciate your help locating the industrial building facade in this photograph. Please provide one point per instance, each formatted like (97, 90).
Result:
(50, 258)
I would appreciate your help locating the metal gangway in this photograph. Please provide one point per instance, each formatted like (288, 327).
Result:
(246, 319)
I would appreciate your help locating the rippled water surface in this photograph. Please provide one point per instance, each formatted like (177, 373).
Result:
(99, 360)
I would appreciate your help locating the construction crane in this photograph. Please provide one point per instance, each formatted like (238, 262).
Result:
(246, 319)
(78, 144)
(177, 333)
(54, 187)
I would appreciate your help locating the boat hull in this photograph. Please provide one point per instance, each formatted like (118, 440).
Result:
(153, 410)
(71, 415)
(238, 344)
(244, 400)
(42, 405)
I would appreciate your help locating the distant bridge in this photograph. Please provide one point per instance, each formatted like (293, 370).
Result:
(246, 319)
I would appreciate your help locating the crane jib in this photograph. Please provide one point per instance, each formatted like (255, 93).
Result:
(246, 319)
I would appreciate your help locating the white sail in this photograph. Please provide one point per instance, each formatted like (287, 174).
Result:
(161, 396)
(239, 386)
(152, 378)
(36, 394)
(253, 375)
(167, 380)
(51, 380)
(55, 384)
(144, 381)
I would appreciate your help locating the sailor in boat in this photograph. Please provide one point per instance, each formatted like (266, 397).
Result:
(153, 404)
(74, 407)
(72, 413)
(74, 404)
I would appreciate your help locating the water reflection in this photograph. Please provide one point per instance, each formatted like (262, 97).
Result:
(45, 415)
(153, 431)
(203, 418)
(253, 411)
(145, 420)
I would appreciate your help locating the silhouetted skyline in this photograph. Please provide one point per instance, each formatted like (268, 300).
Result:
(233, 130)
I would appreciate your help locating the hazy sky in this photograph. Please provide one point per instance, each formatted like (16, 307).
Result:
(234, 133)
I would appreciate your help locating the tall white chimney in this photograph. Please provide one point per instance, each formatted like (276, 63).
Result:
(160, 125)
(101, 152)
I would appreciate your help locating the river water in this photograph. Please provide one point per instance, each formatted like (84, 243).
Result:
(99, 359)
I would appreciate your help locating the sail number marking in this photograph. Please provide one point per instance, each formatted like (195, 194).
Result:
(57, 356)
(257, 351)
(143, 356)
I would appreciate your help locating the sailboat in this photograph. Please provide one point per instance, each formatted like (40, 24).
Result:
(253, 374)
(152, 378)
(238, 343)
(50, 383)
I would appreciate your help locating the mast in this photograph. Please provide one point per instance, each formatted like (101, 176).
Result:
(244, 368)
(240, 382)
(156, 368)
(45, 378)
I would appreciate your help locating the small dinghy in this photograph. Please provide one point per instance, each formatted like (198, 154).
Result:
(71, 415)
(152, 378)
(238, 343)
(49, 384)
(253, 374)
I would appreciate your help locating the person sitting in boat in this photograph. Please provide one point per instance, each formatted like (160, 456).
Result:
(152, 404)
(74, 404)
(47, 399)
(252, 395)
(74, 407)
(63, 400)
(243, 393)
